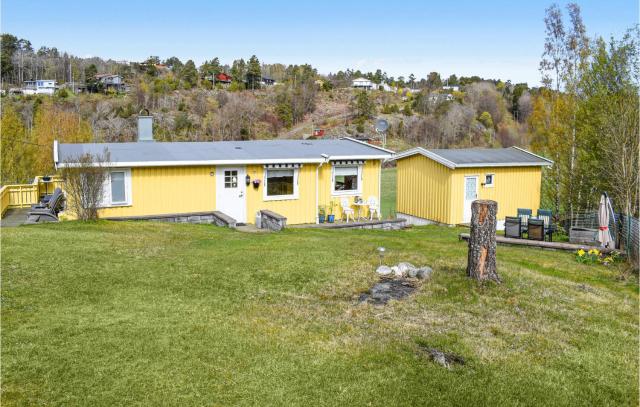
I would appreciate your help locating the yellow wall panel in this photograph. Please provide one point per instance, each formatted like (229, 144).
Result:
(424, 189)
(430, 190)
(304, 209)
(300, 210)
(513, 188)
(169, 190)
(166, 190)
(371, 172)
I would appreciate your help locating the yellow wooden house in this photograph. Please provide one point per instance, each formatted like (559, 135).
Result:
(292, 178)
(438, 186)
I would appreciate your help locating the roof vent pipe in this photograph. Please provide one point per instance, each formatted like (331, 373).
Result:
(145, 126)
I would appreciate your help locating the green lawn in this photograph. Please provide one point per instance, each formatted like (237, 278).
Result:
(389, 192)
(153, 314)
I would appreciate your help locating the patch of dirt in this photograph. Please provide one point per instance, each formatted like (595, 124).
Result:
(444, 359)
(387, 289)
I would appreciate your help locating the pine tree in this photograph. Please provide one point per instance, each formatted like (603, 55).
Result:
(254, 73)
(189, 75)
(238, 70)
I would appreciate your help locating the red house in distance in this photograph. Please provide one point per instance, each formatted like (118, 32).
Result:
(223, 78)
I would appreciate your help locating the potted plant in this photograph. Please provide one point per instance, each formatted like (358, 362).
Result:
(256, 183)
(321, 213)
(331, 217)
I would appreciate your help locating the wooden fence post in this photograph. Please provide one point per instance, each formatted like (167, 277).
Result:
(481, 264)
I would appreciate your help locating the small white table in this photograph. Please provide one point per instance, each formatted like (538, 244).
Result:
(360, 206)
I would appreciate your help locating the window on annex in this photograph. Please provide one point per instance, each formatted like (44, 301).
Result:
(345, 179)
(280, 182)
(488, 180)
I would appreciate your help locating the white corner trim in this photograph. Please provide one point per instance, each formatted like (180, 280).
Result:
(55, 153)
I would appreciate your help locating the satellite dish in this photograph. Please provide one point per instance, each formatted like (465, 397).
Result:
(381, 125)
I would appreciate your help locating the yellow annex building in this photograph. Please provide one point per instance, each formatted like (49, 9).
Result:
(439, 185)
(238, 178)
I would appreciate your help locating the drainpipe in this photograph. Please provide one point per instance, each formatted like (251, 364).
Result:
(325, 160)
(380, 190)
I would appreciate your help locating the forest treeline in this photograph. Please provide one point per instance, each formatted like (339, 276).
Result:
(584, 117)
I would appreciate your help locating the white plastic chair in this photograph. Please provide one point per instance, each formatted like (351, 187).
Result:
(346, 209)
(372, 202)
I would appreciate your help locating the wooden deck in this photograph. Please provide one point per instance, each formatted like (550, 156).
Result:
(541, 244)
(14, 217)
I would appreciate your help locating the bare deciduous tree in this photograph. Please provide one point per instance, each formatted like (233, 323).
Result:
(525, 107)
(84, 179)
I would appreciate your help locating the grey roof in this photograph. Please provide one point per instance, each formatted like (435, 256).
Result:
(223, 152)
(480, 157)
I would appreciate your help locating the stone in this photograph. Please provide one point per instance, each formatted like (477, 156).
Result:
(405, 267)
(412, 272)
(424, 273)
(384, 270)
(396, 271)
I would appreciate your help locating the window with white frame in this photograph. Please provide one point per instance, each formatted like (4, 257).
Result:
(347, 179)
(117, 189)
(488, 180)
(281, 183)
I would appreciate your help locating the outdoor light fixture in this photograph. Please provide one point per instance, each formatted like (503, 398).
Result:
(381, 251)
(247, 179)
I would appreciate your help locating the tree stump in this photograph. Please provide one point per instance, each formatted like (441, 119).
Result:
(481, 263)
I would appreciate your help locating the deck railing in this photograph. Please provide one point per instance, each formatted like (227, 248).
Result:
(25, 195)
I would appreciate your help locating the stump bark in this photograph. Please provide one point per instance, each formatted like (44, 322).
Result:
(481, 264)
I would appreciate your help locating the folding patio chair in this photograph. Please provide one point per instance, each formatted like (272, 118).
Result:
(347, 210)
(49, 213)
(46, 201)
(512, 227)
(547, 216)
(535, 230)
(524, 215)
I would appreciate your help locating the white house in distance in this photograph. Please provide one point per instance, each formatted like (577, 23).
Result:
(108, 80)
(39, 87)
(362, 83)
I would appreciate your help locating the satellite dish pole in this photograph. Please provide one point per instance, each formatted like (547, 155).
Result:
(381, 128)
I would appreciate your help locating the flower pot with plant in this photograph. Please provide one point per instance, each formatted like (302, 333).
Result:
(331, 217)
(321, 213)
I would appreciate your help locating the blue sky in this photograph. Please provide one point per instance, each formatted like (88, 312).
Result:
(493, 39)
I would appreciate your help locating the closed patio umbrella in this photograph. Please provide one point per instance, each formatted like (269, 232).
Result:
(604, 236)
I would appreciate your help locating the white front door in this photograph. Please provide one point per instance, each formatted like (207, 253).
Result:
(231, 192)
(470, 195)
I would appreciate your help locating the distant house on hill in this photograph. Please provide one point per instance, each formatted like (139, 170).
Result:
(39, 87)
(111, 81)
(223, 78)
(362, 83)
(439, 97)
(452, 88)
(267, 81)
